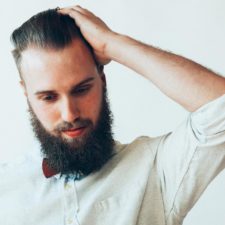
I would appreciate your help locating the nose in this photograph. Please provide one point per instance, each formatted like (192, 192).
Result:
(69, 110)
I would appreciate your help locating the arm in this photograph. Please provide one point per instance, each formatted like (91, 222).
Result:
(190, 157)
(188, 83)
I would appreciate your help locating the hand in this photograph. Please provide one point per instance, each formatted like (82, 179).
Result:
(94, 30)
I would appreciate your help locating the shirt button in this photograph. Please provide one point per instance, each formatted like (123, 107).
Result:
(69, 221)
(68, 186)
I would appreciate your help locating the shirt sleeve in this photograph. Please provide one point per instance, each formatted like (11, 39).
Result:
(190, 157)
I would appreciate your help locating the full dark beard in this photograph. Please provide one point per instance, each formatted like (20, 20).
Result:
(84, 154)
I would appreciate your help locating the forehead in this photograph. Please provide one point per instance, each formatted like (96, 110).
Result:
(46, 67)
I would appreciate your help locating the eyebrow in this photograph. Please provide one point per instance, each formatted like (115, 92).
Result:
(88, 80)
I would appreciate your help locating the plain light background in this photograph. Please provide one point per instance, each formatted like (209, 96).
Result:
(192, 28)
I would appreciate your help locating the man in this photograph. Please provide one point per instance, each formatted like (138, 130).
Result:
(83, 176)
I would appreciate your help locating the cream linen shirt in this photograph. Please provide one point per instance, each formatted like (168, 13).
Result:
(151, 181)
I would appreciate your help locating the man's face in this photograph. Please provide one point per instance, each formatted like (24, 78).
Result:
(67, 101)
(62, 86)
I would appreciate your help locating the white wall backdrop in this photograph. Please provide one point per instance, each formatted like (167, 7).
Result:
(192, 28)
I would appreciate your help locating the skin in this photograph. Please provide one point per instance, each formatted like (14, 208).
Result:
(188, 83)
(62, 85)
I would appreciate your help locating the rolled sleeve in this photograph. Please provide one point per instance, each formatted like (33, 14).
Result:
(208, 122)
(191, 156)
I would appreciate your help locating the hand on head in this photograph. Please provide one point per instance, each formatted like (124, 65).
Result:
(94, 30)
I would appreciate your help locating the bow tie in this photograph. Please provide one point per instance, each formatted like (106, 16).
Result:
(47, 170)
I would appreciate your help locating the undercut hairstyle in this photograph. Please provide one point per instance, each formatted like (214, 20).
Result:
(47, 29)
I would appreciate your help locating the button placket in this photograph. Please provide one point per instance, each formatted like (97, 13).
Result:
(70, 202)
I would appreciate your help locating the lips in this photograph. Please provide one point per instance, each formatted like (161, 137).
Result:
(74, 132)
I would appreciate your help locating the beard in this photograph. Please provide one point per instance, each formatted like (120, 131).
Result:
(83, 155)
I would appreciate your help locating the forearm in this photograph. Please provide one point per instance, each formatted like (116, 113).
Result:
(186, 82)
(183, 80)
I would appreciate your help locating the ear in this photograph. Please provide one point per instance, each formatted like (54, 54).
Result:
(102, 74)
(23, 86)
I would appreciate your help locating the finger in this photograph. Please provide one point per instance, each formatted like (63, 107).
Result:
(77, 8)
(74, 14)
(66, 10)
(83, 10)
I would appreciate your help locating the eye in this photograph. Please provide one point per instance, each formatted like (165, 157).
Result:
(49, 98)
(82, 90)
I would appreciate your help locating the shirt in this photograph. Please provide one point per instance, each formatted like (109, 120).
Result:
(150, 181)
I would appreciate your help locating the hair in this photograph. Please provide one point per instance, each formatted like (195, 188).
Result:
(47, 29)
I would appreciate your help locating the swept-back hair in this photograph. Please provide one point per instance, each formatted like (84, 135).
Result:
(47, 29)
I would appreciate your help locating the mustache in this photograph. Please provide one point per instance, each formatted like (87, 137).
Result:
(64, 126)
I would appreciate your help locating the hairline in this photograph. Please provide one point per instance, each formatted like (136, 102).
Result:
(18, 60)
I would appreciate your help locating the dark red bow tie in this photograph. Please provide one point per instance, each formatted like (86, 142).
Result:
(47, 170)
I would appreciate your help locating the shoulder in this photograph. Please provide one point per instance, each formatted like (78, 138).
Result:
(142, 143)
(141, 148)
(20, 168)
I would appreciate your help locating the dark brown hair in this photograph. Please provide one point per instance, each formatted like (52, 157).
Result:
(47, 29)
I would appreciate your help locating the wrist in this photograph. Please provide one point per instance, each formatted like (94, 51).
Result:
(112, 44)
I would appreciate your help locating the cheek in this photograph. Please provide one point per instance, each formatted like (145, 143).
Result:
(46, 115)
(91, 105)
